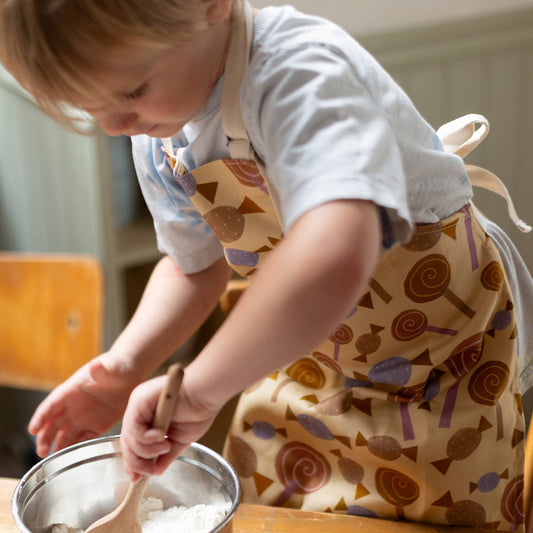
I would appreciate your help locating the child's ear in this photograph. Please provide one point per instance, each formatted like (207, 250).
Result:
(218, 10)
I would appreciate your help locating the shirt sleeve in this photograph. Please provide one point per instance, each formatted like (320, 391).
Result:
(322, 136)
(181, 231)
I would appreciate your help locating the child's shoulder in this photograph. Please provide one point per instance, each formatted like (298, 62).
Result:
(280, 30)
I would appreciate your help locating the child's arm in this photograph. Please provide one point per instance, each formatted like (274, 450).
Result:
(173, 306)
(310, 282)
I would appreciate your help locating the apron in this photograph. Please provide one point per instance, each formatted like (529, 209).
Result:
(411, 409)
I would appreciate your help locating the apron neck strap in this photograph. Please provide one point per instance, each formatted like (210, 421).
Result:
(236, 64)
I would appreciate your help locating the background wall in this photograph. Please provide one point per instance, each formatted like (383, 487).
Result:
(365, 17)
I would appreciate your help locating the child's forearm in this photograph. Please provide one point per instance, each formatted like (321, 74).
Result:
(308, 285)
(172, 308)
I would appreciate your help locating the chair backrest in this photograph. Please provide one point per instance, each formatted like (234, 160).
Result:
(50, 317)
(234, 290)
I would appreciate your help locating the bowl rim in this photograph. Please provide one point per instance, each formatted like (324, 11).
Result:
(24, 479)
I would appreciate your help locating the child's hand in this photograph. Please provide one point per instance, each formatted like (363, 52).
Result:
(88, 403)
(141, 445)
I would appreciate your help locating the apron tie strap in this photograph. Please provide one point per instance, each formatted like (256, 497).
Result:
(460, 137)
(481, 177)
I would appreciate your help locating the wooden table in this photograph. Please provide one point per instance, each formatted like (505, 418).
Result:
(259, 519)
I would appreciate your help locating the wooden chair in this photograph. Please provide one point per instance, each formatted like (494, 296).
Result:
(50, 317)
(234, 289)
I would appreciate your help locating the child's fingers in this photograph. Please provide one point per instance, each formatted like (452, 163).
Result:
(68, 436)
(148, 445)
(45, 437)
(45, 412)
(135, 464)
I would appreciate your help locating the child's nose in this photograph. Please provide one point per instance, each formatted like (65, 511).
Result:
(118, 123)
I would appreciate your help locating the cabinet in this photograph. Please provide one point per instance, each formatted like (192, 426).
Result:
(64, 192)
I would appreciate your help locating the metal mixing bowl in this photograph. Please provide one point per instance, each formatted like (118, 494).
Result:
(79, 484)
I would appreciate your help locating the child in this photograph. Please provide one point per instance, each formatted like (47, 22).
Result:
(376, 344)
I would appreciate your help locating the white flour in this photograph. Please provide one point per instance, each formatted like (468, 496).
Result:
(197, 519)
(154, 519)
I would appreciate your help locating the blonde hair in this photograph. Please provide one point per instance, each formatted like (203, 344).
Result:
(42, 41)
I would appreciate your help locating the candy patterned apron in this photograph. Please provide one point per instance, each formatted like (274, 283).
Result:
(409, 410)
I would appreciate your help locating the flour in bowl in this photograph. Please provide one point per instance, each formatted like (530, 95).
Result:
(200, 518)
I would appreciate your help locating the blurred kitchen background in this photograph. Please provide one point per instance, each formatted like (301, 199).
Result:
(61, 192)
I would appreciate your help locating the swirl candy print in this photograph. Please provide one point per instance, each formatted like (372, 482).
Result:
(343, 335)
(397, 489)
(305, 371)
(492, 276)
(429, 280)
(301, 469)
(512, 502)
(412, 323)
(487, 384)
(246, 173)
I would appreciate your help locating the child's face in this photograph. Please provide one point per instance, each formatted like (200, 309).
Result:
(157, 92)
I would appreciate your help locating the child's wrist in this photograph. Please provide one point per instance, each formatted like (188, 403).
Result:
(124, 367)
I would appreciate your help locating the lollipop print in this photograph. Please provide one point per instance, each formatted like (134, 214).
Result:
(412, 323)
(463, 358)
(343, 335)
(305, 371)
(246, 173)
(486, 385)
(327, 361)
(397, 489)
(512, 504)
(492, 276)
(301, 470)
(429, 279)
(461, 445)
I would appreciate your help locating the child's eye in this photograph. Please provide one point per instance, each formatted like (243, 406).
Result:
(137, 93)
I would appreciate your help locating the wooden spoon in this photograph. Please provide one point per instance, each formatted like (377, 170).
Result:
(125, 518)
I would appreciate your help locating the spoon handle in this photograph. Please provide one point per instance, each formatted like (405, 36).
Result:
(168, 398)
